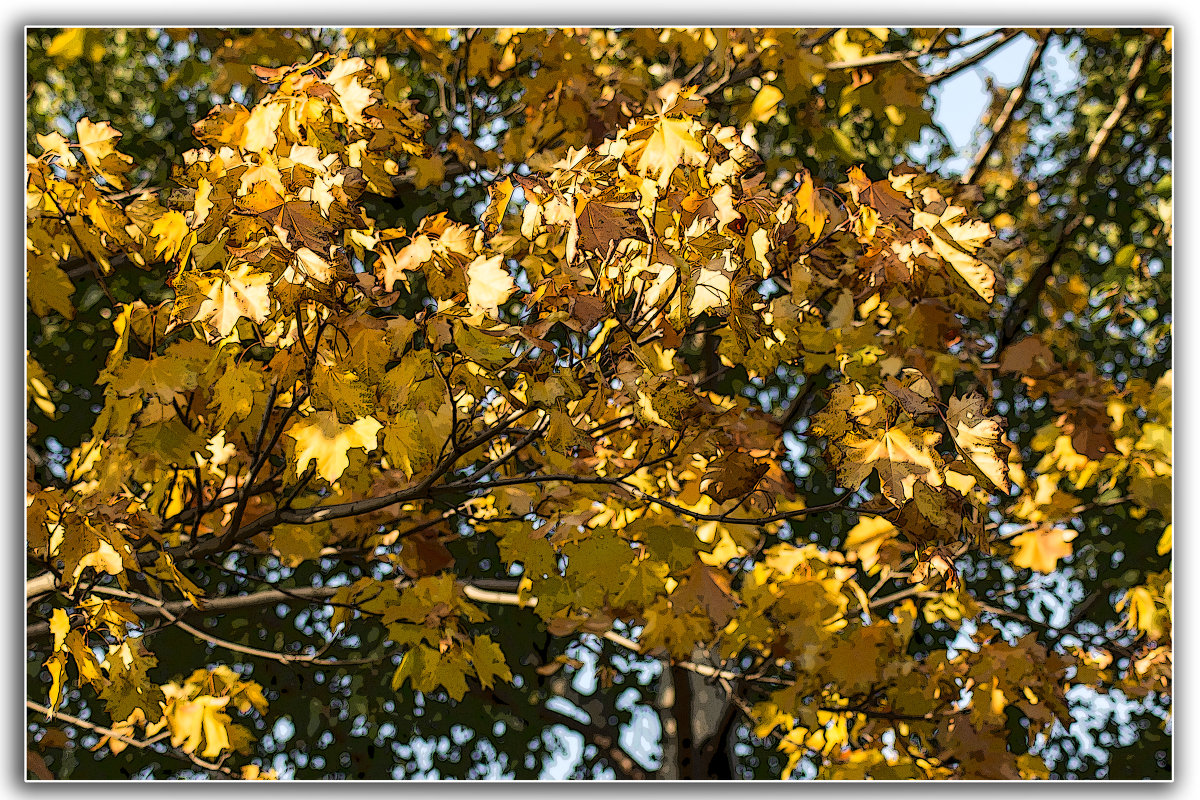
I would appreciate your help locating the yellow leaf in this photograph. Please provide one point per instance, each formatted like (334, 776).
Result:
(669, 145)
(409, 259)
(68, 45)
(1164, 543)
(712, 288)
(57, 666)
(765, 103)
(54, 143)
(322, 438)
(979, 438)
(488, 284)
(237, 294)
(260, 131)
(60, 623)
(98, 141)
(354, 98)
(957, 243)
(866, 537)
(216, 726)
(169, 229)
(499, 195)
(1041, 549)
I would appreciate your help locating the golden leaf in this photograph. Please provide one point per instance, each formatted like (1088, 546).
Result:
(321, 437)
(233, 295)
(1041, 549)
(979, 438)
(670, 144)
(488, 284)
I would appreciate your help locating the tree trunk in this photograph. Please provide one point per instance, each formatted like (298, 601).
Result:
(697, 719)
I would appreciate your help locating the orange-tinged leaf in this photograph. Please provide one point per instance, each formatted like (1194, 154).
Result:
(1041, 549)
(409, 259)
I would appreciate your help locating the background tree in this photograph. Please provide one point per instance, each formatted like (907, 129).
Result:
(499, 402)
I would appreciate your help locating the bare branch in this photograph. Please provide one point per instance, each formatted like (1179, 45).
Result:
(1000, 125)
(1024, 302)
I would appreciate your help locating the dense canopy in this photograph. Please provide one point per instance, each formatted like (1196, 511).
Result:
(634, 403)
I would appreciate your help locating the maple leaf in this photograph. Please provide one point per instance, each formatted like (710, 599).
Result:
(488, 284)
(599, 225)
(409, 259)
(713, 288)
(669, 144)
(129, 690)
(957, 241)
(488, 660)
(163, 377)
(321, 437)
(233, 295)
(867, 536)
(1029, 356)
(259, 132)
(979, 438)
(1040, 549)
(299, 221)
(499, 195)
(901, 455)
(735, 474)
(415, 437)
(169, 229)
(98, 141)
(707, 588)
(881, 196)
(234, 393)
(55, 144)
(354, 99)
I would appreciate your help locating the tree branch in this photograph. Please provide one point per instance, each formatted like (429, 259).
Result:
(1000, 125)
(972, 60)
(1032, 290)
(216, 770)
(605, 738)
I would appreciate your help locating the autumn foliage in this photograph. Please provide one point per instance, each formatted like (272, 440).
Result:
(432, 384)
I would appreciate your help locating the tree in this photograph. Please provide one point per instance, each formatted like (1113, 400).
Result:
(625, 402)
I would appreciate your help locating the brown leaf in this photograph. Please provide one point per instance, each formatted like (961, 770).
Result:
(707, 588)
(601, 224)
(734, 475)
(881, 196)
(1029, 357)
(424, 553)
(588, 310)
